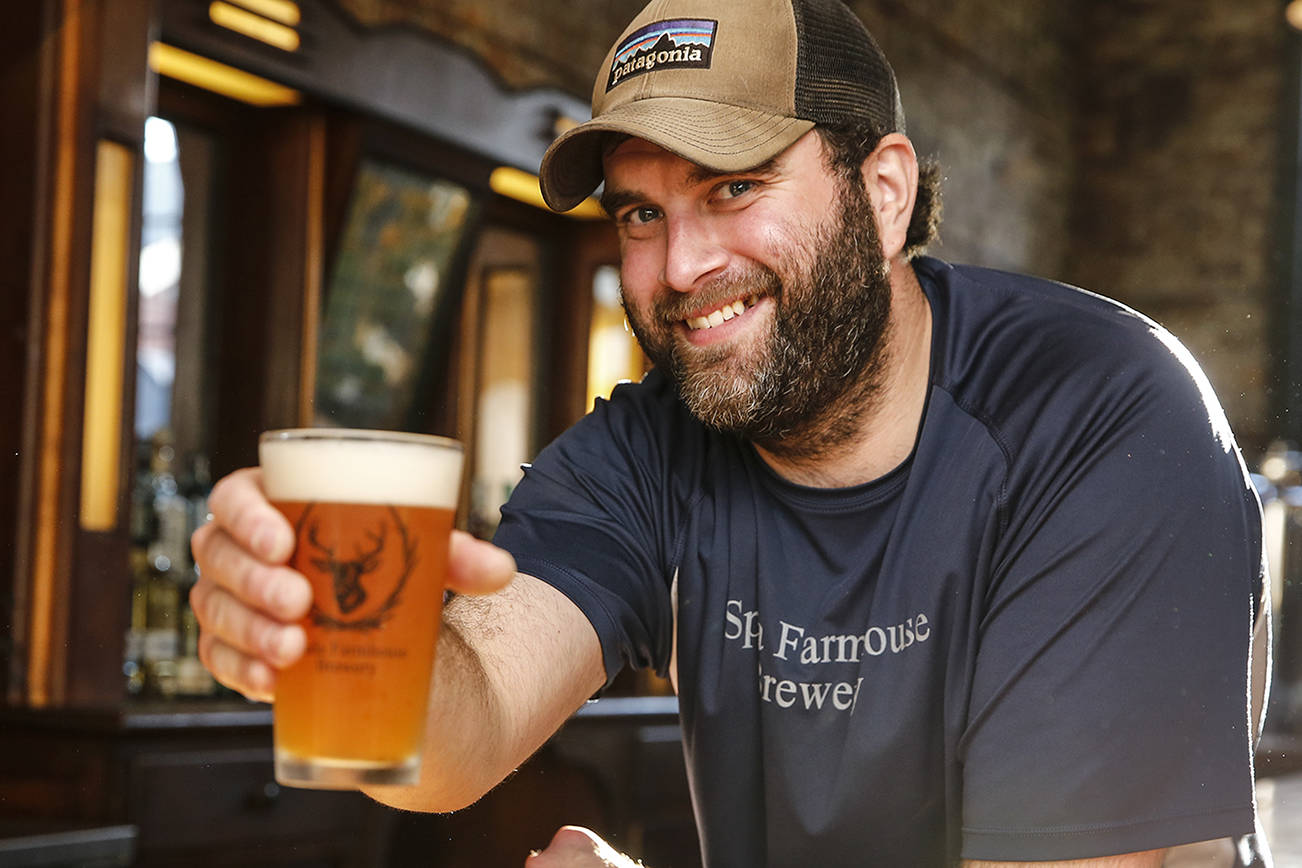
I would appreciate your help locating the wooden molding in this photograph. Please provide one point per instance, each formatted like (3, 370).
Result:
(62, 628)
(397, 73)
(48, 579)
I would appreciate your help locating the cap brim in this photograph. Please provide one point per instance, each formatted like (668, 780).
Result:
(723, 138)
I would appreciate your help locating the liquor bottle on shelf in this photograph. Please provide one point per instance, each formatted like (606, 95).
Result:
(133, 662)
(169, 500)
(192, 679)
(195, 489)
(142, 520)
(171, 509)
(162, 625)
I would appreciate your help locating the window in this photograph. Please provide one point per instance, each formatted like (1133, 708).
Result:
(401, 234)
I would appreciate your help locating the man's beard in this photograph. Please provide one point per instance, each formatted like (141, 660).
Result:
(803, 386)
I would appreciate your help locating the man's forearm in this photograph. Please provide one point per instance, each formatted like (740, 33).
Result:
(460, 760)
(511, 668)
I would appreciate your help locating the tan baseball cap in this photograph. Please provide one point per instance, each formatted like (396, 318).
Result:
(726, 84)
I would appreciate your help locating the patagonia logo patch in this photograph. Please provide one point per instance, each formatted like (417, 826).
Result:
(683, 43)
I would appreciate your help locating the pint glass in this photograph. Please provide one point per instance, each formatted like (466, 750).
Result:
(372, 512)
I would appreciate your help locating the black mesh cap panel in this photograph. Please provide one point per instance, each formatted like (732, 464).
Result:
(841, 73)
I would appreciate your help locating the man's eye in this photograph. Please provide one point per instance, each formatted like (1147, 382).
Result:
(733, 189)
(645, 214)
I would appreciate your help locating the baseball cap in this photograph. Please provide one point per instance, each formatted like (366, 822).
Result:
(726, 84)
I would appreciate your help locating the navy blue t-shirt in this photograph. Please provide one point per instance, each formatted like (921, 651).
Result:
(1027, 642)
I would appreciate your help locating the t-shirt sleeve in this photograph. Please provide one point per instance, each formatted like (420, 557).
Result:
(591, 518)
(1109, 702)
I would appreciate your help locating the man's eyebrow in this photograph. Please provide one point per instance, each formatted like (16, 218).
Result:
(700, 174)
(613, 200)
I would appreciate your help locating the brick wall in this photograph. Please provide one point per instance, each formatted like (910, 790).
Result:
(1178, 183)
(1129, 146)
(987, 90)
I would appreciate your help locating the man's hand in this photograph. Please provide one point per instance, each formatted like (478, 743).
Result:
(1147, 859)
(248, 602)
(576, 847)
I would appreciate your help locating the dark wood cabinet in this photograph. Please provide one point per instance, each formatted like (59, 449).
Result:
(196, 783)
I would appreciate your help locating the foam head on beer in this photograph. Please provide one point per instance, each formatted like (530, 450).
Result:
(347, 466)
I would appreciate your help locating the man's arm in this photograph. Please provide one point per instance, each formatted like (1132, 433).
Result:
(511, 668)
(1147, 859)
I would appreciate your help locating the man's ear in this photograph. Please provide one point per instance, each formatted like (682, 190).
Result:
(890, 175)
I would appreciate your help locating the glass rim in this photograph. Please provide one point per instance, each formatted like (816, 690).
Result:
(365, 435)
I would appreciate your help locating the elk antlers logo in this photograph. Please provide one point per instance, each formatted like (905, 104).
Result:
(347, 575)
(366, 574)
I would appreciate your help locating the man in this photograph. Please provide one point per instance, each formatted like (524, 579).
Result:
(945, 564)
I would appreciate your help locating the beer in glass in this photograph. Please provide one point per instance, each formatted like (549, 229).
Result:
(372, 512)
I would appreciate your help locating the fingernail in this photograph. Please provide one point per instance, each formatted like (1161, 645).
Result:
(285, 645)
(292, 643)
(505, 562)
(264, 542)
(291, 602)
(262, 681)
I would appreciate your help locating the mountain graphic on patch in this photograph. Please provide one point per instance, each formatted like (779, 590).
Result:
(682, 43)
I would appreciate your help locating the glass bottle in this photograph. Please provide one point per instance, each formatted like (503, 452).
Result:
(133, 659)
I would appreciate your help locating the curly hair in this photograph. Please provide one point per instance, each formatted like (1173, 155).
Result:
(849, 145)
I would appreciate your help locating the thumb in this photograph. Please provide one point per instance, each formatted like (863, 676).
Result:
(577, 847)
(477, 567)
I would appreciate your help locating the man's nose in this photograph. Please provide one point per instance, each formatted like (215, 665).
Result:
(692, 252)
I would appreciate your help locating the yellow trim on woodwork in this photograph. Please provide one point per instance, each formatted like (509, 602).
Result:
(523, 187)
(226, 80)
(284, 11)
(101, 435)
(254, 26)
(44, 685)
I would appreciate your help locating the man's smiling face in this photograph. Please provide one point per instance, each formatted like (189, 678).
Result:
(764, 293)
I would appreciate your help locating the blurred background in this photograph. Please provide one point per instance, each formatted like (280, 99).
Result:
(223, 216)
